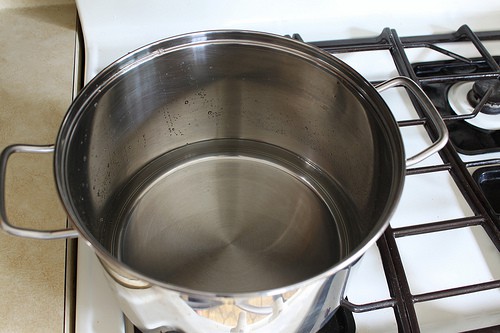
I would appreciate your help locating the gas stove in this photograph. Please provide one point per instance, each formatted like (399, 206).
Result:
(440, 252)
(437, 267)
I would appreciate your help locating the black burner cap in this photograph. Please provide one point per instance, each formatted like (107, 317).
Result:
(479, 90)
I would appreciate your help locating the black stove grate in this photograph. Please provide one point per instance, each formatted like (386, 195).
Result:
(401, 300)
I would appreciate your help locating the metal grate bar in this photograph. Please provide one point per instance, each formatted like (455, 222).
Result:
(438, 226)
(356, 308)
(464, 30)
(457, 291)
(379, 42)
(460, 77)
(397, 283)
(427, 169)
(483, 163)
(448, 38)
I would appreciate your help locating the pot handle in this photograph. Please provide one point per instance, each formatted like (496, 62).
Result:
(430, 111)
(5, 224)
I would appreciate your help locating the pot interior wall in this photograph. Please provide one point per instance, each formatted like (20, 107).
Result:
(242, 165)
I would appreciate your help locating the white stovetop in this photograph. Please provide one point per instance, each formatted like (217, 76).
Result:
(115, 27)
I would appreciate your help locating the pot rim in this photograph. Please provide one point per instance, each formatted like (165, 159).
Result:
(307, 52)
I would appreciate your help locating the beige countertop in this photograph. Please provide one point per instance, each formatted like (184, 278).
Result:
(36, 71)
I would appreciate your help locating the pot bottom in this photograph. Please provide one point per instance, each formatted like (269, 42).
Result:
(230, 216)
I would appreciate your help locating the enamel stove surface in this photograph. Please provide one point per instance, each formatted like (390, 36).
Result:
(434, 258)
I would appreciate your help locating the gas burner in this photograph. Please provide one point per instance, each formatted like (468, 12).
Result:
(480, 89)
(458, 99)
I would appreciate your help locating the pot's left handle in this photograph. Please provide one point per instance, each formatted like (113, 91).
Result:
(5, 224)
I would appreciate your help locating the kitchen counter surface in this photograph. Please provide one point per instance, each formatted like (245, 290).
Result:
(36, 73)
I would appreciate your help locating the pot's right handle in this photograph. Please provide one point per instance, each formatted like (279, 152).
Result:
(430, 111)
(4, 221)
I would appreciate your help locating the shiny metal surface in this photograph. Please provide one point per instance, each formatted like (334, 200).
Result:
(4, 220)
(227, 171)
(430, 111)
(304, 309)
(232, 216)
(222, 168)
(205, 87)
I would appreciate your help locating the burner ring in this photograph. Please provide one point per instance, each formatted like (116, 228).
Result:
(457, 98)
(480, 89)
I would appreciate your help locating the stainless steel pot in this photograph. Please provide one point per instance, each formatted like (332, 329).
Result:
(228, 180)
